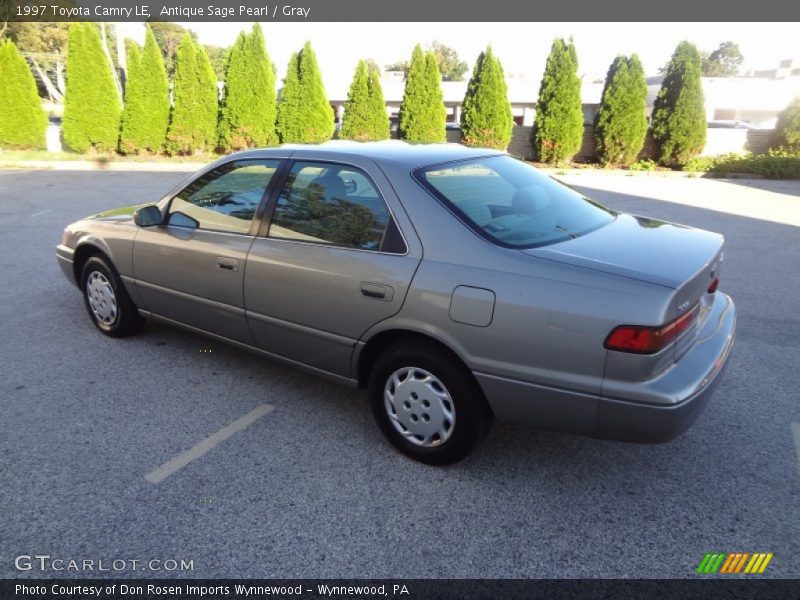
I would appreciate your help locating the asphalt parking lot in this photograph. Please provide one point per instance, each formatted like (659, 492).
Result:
(309, 488)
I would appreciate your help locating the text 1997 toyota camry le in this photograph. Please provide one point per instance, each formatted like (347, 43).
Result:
(457, 284)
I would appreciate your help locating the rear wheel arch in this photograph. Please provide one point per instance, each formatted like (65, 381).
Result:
(384, 339)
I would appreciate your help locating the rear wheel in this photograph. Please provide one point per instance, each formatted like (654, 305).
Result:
(107, 300)
(427, 403)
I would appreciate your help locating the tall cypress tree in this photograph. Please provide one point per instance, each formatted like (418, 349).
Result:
(288, 121)
(304, 114)
(133, 59)
(184, 116)
(558, 127)
(146, 113)
(679, 117)
(486, 118)
(621, 124)
(379, 126)
(357, 121)
(422, 113)
(437, 131)
(248, 111)
(91, 103)
(787, 129)
(22, 119)
(207, 101)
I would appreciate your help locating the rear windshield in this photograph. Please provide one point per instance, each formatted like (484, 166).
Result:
(511, 203)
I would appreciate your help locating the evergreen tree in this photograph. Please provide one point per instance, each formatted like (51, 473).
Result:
(558, 128)
(133, 59)
(192, 125)
(146, 113)
(91, 103)
(248, 110)
(288, 121)
(787, 129)
(304, 114)
(207, 101)
(379, 127)
(422, 112)
(364, 119)
(621, 124)
(486, 118)
(22, 119)
(679, 118)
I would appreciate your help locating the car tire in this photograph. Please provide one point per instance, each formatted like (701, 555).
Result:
(417, 388)
(107, 301)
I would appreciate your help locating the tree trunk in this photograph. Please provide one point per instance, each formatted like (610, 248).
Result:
(52, 91)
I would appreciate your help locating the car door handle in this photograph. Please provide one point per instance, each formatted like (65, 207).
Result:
(228, 264)
(378, 291)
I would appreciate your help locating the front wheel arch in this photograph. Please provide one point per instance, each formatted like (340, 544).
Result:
(83, 253)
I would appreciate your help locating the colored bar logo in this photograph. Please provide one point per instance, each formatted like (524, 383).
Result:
(734, 562)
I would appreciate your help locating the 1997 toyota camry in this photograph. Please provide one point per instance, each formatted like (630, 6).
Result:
(456, 284)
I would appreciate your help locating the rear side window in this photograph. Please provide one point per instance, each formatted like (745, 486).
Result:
(512, 204)
(329, 203)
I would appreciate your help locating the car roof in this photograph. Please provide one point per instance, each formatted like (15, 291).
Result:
(389, 151)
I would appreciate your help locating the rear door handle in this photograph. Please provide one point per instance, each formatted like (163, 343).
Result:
(227, 264)
(378, 291)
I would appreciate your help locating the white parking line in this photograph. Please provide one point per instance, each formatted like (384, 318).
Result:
(159, 474)
(36, 214)
(796, 431)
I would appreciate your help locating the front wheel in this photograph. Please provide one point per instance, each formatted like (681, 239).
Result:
(107, 300)
(427, 403)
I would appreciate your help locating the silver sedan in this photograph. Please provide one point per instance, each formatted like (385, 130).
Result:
(458, 285)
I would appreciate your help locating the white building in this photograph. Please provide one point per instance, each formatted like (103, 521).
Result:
(755, 100)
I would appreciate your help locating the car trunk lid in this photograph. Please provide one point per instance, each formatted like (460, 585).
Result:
(650, 250)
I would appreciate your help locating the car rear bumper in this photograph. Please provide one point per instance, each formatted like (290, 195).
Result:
(679, 394)
(65, 258)
(684, 389)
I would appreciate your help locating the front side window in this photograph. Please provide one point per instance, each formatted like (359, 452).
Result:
(329, 203)
(510, 203)
(224, 199)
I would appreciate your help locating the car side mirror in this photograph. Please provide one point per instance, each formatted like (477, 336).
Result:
(147, 216)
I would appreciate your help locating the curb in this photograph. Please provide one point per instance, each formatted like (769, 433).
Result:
(100, 165)
(663, 174)
(191, 167)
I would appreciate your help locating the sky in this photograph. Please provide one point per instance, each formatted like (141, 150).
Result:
(522, 47)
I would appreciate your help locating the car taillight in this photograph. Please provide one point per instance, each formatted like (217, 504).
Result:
(714, 284)
(642, 339)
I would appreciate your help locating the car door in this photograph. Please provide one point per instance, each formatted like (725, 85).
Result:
(190, 270)
(331, 262)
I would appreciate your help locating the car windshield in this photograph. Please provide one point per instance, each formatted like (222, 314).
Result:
(511, 203)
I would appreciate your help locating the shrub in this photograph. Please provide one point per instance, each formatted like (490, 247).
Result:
(787, 129)
(486, 118)
(146, 113)
(364, 111)
(773, 165)
(91, 103)
(558, 127)
(422, 114)
(679, 118)
(646, 164)
(194, 100)
(621, 124)
(22, 119)
(249, 106)
(380, 127)
(304, 113)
